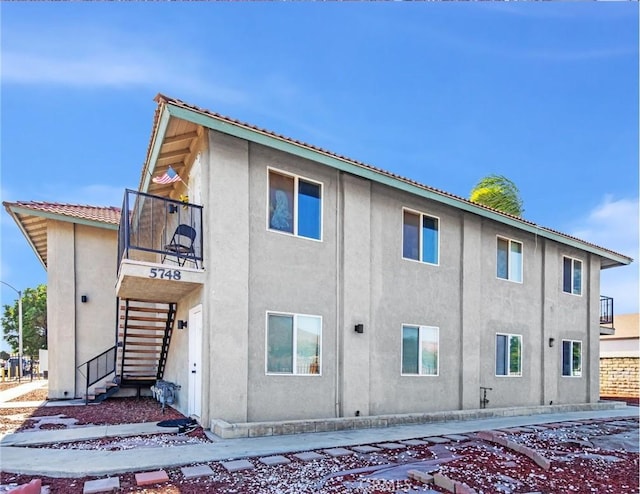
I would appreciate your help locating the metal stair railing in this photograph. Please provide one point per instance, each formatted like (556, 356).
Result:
(98, 368)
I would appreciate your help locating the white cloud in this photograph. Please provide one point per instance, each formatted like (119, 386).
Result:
(101, 58)
(614, 224)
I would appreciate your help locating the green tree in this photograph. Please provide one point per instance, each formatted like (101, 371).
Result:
(34, 321)
(498, 192)
(4, 355)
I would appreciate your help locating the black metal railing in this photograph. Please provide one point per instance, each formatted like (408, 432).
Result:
(161, 230)
(606, 311)
(99, 367)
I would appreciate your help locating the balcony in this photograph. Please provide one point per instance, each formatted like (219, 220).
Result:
(160, 245)
(606, 316)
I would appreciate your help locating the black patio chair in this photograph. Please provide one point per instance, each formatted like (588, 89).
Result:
(181, 246)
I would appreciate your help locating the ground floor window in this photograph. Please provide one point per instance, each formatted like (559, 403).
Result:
(293, 344)
(571, 358)
(508, 355)
(420, 348)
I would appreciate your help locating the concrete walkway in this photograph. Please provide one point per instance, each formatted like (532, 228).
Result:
(78, 463)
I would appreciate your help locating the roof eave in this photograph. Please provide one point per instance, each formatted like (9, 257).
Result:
(61, 217)
(9, 209)
(609, 258)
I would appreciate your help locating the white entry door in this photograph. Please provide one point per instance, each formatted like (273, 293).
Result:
(195, 361)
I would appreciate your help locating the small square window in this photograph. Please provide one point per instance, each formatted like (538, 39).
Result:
(509, 260)
(420, 350)
(295, 205)
(571, 358)
(572, 276)
(420, 237)
(508, 355)
(293, 344)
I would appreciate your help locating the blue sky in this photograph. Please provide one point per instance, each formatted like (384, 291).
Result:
(444, 93)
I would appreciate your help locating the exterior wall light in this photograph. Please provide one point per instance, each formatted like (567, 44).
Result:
(182, 324)
(84, 299)
(551, 341)
(359, 328)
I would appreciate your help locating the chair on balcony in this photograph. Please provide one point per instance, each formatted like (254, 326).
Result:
(181, 246)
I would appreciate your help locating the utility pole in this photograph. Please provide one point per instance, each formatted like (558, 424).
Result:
(19, 328)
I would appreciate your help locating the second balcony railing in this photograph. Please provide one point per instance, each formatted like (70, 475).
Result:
(159, 230)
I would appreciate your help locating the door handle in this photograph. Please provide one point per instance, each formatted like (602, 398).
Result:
(193, 372)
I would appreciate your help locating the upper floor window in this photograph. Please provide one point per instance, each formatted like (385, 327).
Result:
(571, 358)
(509, 260)
(420, 349)
(420, 237)
(571, 275)
(295, 205)
(293, 344)
(508, 355)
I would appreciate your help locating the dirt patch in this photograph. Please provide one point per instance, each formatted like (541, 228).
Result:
(35, 395)
(8, 385)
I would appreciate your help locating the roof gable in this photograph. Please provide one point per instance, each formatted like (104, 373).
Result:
(32, 218)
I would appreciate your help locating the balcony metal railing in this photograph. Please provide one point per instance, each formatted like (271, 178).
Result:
(148, 227)
(606, 311)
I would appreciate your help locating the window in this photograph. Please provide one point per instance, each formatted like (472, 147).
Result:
(293, 344)
(571, 276)
(295, 205)
(571, 358)
(509, 260)
(420, 237)
(508, 355)
(420, 348)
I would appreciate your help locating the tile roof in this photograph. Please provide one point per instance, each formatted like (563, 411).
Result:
(161, 99)
(106, 214)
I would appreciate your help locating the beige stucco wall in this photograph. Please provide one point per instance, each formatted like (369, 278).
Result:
(81, 261)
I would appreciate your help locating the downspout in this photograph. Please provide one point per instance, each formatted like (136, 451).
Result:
(339, 237)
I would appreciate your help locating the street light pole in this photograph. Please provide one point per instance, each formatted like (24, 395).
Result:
(19, 328)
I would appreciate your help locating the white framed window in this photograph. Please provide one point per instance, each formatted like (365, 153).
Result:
(420, 350)
(571, 358)
(420, 237)
(508, 355)
(293, 344)
(571, 275)
(295, 205)
(509, 260)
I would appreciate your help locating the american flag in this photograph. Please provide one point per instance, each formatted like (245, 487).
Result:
(169, 177)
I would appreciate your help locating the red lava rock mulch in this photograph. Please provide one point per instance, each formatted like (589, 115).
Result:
(111, 412)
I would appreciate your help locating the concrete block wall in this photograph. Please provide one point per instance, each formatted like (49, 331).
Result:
(619, 376)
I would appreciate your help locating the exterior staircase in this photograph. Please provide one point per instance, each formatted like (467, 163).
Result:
(144, 334)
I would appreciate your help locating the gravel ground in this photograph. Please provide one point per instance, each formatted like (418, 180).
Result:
(598, 457)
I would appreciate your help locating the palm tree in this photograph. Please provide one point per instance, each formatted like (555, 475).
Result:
(498, 192)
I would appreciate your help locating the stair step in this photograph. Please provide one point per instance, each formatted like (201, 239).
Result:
(134, 350)
(145, 328)
(143, 343)
(129, 335)
(144, 309)
(144, 318)
(142, 359)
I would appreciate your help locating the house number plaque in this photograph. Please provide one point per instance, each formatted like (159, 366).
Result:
(165, 274)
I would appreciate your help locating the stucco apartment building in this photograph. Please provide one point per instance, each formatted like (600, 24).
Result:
(294, 283)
